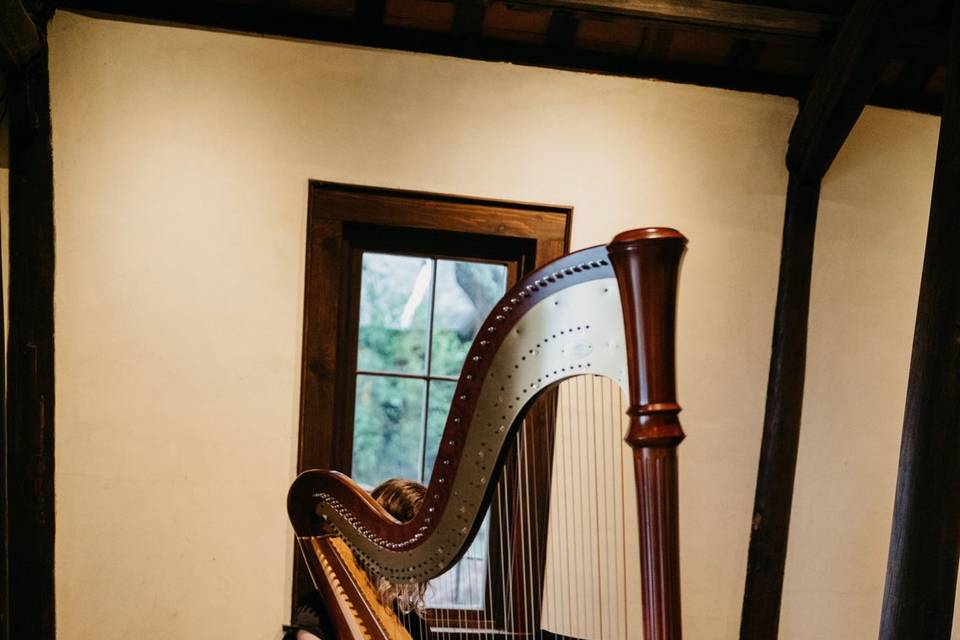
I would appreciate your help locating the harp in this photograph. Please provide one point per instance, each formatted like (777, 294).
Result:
(604, 313)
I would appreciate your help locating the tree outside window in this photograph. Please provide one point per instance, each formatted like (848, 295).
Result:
(418, 317)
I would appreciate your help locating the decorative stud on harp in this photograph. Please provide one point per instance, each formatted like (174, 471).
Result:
(606, 311)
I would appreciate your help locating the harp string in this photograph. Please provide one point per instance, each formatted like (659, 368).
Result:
(569, 578)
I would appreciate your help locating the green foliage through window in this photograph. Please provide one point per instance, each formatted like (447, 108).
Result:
(418, 318)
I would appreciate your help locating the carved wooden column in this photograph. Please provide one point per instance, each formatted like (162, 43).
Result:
(647, 264)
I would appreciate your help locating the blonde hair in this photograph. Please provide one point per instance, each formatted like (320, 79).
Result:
(401, 498)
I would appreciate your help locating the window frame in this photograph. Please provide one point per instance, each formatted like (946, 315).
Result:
(344, 221)
(416, 249)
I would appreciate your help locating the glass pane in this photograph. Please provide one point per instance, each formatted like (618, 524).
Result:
(441, 395)
(394, 313)
(466, 291)
(464, 585)
(387, 429)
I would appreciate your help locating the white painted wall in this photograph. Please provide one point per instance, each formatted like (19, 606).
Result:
(181, 166)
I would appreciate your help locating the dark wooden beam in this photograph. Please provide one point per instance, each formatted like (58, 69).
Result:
(728, 16)
(4, 503)
(845, 80)
(255, 19)
(562, 30)
(369, 14)
(468, 18)
(837, 95)
(781, 421)
(30, 389)
(921, 580)
(916, 76)
(744, 54)
(19, 39)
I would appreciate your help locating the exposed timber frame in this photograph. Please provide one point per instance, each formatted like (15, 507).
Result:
(26, 482)
(921, 579)
(837, 96)
(781, 421)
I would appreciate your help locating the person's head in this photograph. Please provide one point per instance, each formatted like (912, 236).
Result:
(401, 499)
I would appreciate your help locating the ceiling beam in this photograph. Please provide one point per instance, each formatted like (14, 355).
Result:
(726, 16)
(562, 30)
(468, 19)
(19, 38)
(845, 80)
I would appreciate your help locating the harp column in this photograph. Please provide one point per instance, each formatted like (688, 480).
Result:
(647, 265)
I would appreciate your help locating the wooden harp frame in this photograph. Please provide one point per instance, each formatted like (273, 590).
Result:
(608, 310)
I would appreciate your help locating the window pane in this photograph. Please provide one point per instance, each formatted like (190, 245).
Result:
(388, 426)
(466, 291)
(441, 395)
(394, 313)
(463, 586)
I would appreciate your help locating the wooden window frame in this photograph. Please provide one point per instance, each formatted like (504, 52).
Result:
(345, 220)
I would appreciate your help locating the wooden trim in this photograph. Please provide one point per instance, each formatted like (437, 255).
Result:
(30, 372)
(921, 579)
(767, 553)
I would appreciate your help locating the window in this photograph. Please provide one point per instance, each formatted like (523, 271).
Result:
(418, 317)
(397, 284)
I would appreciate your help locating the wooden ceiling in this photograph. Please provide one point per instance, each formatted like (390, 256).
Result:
(770, 46)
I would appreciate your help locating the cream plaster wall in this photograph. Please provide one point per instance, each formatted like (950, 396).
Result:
(181, 166)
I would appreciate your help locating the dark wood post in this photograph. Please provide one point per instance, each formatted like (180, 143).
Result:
(647, 264)
(921, 581)
(781, 420)
(30, 407)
